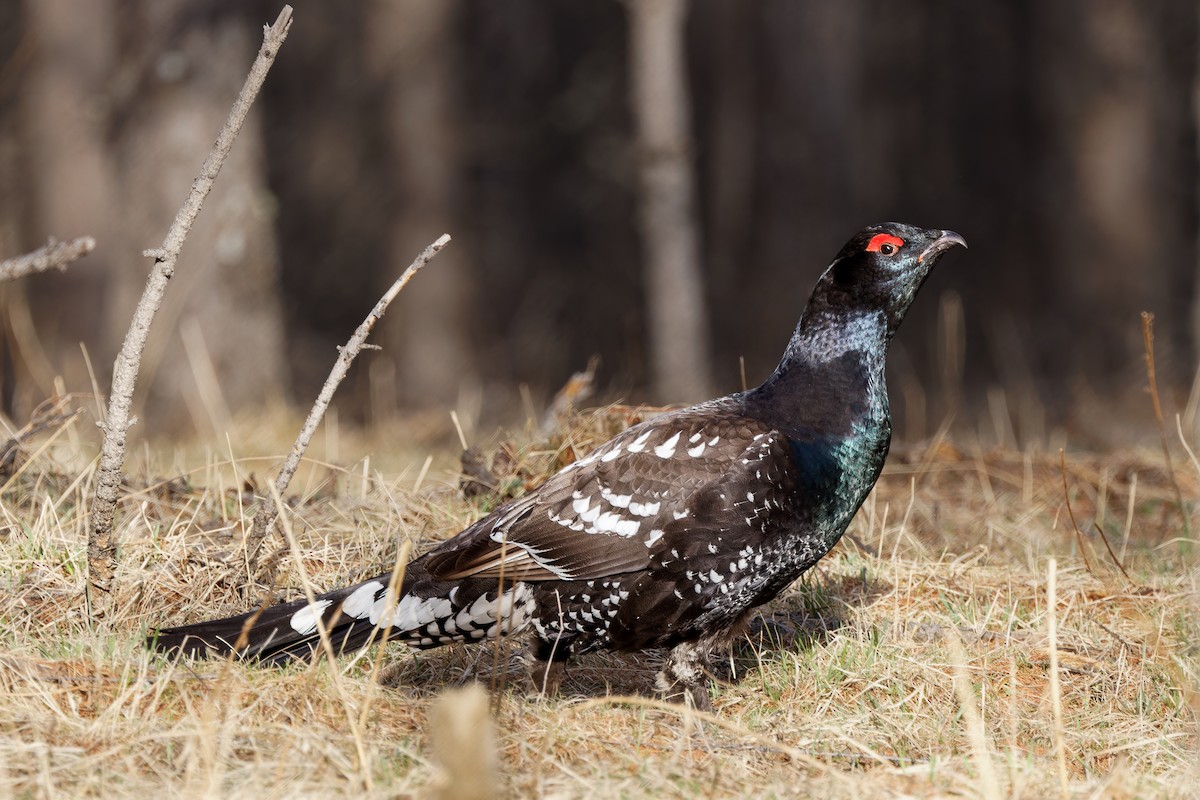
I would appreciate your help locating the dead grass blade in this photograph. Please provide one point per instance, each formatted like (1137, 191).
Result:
(980, 751)
(1060, 746)
(464, 743)
(1152, 380)
(364, 764)
(389, 609)
(689, 715)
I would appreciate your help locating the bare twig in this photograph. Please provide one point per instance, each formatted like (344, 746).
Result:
(1152, 380)
(102, 542)
(264, 520)
(60, 421)
(1111, 554)
(53, 255)
(1062, 456)
(51, 413)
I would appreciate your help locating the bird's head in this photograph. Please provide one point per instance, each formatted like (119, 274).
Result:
(881, 269)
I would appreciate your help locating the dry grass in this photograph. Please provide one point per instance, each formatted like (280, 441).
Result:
(913, 662)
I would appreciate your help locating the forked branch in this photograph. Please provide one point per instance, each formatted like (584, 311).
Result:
(52, 255)
(102, 541)
(264, 520)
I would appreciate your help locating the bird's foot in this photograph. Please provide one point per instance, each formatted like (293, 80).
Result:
(546, 677)
(685, 677)
(693, 696)
(546, 665)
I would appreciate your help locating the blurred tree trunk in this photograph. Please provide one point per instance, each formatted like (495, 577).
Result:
(726, 90)
(183, 64)
(1195, 320)
(15, 47)
(678, 322)
(70, 169)
(318, 116)
(810, 154)
(1121, 217)
(410, 48)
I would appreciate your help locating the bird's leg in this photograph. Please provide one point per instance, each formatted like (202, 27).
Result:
(685, 676)
(547, 665)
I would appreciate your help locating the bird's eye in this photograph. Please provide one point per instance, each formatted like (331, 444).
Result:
(884, 243)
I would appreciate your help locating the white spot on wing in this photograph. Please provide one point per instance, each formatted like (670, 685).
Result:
(653, 537)
(645, 509)
(475, 615)
(514, 609)
(697, 451)
(359, 604)
(667, 448)
(639, 444)
(618, 500)
(304, 621)
(612, 455)
(610, 522)
(411, 612)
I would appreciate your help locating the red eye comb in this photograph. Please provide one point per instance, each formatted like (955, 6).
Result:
(880, 239)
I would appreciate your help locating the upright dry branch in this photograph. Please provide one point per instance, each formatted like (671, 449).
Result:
(1152, 385)
(670, 235)
(266, 516)
(102, 541)
(52, 255)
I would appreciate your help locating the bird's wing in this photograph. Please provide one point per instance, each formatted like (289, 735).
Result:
(603, 514)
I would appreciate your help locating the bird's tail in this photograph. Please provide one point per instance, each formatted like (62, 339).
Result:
(428, 613)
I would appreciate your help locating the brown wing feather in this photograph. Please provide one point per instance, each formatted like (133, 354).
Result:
(602, 515)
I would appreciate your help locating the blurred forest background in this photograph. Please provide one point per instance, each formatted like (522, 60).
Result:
(1060, 138)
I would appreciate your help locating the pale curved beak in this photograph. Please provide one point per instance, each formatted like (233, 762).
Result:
(940, 245)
